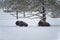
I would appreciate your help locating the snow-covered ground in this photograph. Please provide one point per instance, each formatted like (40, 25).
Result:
(9, 31)
(29, 33)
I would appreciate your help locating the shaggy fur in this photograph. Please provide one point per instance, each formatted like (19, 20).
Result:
(21, 23)
(43, 24)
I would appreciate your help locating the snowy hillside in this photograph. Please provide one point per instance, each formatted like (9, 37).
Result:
(9, 31)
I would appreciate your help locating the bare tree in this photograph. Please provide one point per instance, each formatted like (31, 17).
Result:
(31, 5)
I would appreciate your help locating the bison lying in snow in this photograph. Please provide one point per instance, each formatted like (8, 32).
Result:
(21, 23)
(43, 24)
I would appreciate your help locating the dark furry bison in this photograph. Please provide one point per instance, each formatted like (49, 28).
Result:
(21, 23)
(43, 22)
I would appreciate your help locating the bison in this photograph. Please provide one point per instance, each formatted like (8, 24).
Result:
(21, 23)
(43, 22)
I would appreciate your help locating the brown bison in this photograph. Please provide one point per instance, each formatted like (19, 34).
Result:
(43, 22)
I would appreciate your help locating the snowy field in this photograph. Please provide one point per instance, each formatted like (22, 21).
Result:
(9, 31)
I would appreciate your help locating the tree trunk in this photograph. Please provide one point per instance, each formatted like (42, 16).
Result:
(16, 14)
(24, 14)
(43, 8)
